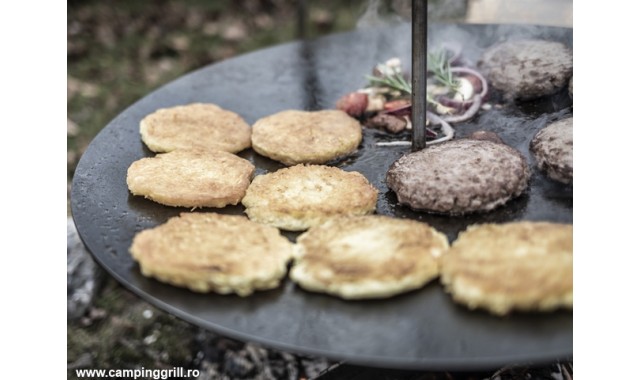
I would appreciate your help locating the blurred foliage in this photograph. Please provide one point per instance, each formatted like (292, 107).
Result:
(121, 331)
(118, 51)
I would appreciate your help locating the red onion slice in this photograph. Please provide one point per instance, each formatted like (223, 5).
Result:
(461, 104)
(448, 131)
(475, 73)
(468, 114)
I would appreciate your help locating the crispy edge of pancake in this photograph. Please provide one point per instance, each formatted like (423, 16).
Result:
(158, 128)
(524, 266)
(301, 196)
(172, 179)
(312, 137)
(367, 257)
(209, 252)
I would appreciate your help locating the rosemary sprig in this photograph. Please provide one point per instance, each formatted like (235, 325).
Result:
(393, 80)
(389, 75)
(438, 65)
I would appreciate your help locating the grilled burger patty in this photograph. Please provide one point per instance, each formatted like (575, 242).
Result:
(459, 177)
(552, 147)
(527, 69)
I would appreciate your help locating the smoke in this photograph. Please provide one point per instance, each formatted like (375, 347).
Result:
(471, 39)
(377, 15)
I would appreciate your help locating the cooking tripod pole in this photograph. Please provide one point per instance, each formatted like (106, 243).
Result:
(418, 73)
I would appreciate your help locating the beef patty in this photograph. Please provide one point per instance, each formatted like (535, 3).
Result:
(459, 177)
(552, 147)
(527, 69)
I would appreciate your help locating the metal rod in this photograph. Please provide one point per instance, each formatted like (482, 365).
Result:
(418, 73)
(302, 19)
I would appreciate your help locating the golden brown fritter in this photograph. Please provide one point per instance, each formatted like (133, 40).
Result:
(213, 252)
(302, 196)
(513, 266)
(310, 137)
(191, 178)
(368, 256)
(195, 126)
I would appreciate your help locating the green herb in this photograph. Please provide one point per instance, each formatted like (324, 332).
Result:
(438, 65)
(391, 77)
(394, 83)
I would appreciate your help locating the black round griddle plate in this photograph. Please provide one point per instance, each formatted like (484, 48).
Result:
(423, 329)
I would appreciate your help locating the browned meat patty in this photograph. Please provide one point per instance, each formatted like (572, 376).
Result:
(459, 177)
(552, 147)
(527, 69)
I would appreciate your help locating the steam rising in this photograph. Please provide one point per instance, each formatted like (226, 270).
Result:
(373, 17)
(378, 15)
